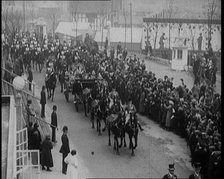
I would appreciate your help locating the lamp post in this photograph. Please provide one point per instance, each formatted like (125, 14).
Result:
(24, 16)
(19, 84)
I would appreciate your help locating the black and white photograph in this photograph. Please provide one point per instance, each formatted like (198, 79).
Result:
(111, 89)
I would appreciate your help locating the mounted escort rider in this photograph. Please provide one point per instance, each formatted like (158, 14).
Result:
(131, 112)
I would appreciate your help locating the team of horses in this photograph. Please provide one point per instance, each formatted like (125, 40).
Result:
(118, 121)
(102, 107)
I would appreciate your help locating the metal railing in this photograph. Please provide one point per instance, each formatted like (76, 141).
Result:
(38, 119)
(26, 81)
(20, 90)
(27, 164)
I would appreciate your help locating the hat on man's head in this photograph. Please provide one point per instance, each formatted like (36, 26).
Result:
(171, 167)
(65, 128)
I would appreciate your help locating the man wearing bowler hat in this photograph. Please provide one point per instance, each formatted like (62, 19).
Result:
(54, 123)
(64, 148)
(196, 174)
(171, 174)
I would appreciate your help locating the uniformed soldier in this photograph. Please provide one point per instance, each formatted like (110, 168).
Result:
(27, 57)
(131, 107)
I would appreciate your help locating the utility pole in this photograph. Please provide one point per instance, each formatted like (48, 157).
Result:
(131, 22)
(53, 25)
(124, 26)
(24, 17)
(76, 26)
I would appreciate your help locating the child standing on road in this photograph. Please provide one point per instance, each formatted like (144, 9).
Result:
(72, 162)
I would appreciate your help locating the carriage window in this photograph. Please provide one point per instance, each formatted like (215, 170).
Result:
(179, 54)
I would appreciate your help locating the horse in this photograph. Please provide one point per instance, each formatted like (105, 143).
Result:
(50, 83)
(115, 125)
(101, 114)
(93, 111)
(131, 128)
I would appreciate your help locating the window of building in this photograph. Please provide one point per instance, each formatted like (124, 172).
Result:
(179, 54)
(174, 54)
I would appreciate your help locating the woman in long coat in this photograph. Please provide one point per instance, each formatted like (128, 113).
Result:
(72, 162)
(46, 156)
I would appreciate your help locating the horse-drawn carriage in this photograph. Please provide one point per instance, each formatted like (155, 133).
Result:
(81, 89)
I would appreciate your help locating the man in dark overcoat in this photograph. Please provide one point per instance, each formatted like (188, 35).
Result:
(197, 173)
(54, 123)
(30, 131)
(17, 68)
(64, 148)
(43, 101)
(30, 77)
(36, 137)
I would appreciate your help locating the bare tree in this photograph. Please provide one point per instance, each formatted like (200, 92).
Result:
(192, 36)
(171, 11)
(53, 15)
(7, 7)
(153, 30)
(74, 13)
(5, 17)
(12, 19)
(210, 12)
(125, 22)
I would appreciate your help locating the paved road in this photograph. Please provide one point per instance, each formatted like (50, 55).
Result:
(156, 147)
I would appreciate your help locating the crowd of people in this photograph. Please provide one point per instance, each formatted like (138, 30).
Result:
(205, 67)
(194, 114)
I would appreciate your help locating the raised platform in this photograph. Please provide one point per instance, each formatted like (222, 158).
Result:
(8, 136)
(5, 134)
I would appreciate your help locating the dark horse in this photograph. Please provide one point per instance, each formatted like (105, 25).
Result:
(131, 128)
(116, 126)
(101, 114)
(50, 82)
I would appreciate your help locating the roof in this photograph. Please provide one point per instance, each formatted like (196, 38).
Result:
(69, 28)
(178, 20)
(117, 34)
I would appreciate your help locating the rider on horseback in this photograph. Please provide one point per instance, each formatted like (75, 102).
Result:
(131, 112)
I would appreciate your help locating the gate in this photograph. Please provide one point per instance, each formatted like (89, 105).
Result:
(27, 161)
